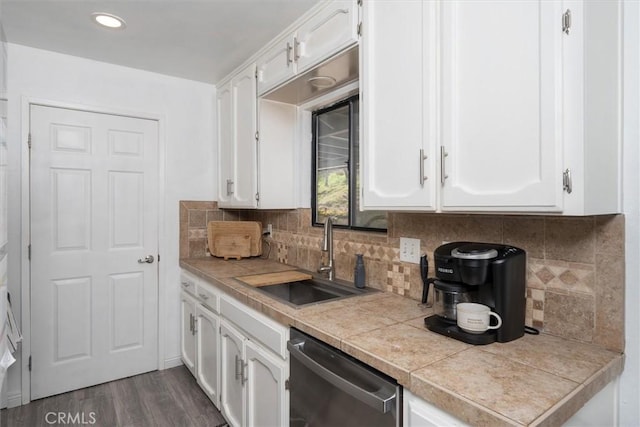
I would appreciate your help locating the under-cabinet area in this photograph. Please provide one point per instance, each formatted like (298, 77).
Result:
(547, 379)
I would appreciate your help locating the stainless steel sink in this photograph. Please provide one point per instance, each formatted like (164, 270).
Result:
(312, 291)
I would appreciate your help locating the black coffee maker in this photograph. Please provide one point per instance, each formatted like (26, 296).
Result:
(485, 273)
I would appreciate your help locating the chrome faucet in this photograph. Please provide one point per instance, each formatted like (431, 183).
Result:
(327, 246)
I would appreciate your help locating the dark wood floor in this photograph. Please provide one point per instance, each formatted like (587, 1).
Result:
(156, 399)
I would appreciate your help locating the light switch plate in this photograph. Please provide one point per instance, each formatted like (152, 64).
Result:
(410, 250)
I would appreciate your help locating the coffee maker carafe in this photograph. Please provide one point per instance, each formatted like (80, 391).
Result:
(490, 274)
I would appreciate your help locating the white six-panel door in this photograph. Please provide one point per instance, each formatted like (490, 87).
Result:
(94, 201)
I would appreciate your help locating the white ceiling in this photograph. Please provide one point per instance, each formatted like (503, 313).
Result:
(199, 40)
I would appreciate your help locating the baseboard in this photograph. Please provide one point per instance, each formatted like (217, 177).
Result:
(172, 363)
(14, 400)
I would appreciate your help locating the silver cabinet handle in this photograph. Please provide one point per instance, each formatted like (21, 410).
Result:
(567, 185)
(186, 285)
(238, 368)
(423, 178)
(148, 260)
(191, 323)
(229, 187)
(289, 60)
(443, 175)
(204, 296)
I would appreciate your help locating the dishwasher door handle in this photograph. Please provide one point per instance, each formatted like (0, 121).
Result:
(376, 399)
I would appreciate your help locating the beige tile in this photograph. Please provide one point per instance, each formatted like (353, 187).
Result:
(214, 215)
(514, 390)
(610, 300)
(525, 232)
(397, 307)
(197, 218)
(339, 323)
(399, 349)
(569, 315)
(610, 235)
(197, 248)
(567, 359)
(570, 239)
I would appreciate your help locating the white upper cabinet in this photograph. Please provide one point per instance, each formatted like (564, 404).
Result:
(225, 145)
(515, 106)
(237, 128)
(332, 28)
(277, 64)
(592, 113)
(398, 96)
(501, 105)
(329, 31)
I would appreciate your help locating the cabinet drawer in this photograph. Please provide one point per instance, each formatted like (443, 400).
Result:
(207, 295)
(258, 327)
(188, 282)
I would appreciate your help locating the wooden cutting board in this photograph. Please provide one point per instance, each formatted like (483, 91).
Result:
(234, 239)
(257, 280)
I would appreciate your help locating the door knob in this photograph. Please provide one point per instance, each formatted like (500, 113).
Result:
(148, 259)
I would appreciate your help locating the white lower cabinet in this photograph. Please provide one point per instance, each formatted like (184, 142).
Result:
(418, 413)
(265, 388)
(208, 353)
(253, 368)
(188, 335)
(200, 334)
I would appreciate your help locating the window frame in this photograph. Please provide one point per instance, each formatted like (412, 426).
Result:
(350, 101)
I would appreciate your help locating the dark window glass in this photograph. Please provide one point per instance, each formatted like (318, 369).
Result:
(336, 187)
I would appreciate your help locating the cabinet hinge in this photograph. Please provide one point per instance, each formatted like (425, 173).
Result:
(360, 29)
(29, 363)
(29, 141)
(287, 384)
(256, 73)
(257, 136)
(158, 257)
(566, 21)
(567, 185)
(29, 252)
(258, 196)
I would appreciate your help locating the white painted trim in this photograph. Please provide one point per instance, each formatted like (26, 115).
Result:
(14, 400)
(173, 362)
(25, 285)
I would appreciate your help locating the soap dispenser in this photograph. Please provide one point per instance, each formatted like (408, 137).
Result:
(358, 273)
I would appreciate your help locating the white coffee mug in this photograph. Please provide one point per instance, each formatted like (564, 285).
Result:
(475, 318)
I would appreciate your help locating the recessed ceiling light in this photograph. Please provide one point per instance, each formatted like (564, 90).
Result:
(108, 20)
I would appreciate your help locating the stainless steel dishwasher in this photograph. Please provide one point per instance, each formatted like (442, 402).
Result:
(330, 388)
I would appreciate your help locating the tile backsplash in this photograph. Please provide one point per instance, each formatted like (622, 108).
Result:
(575, 277)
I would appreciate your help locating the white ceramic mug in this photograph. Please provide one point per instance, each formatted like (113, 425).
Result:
(475, 318)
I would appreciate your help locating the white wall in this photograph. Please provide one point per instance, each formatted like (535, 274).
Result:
(187, 114)
(629, 405)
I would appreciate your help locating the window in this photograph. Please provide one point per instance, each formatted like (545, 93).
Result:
(335, 183)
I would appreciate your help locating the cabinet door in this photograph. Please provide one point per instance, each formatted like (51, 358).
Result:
(225, 145)
(329, 31)
(244, 105)
(188, 328)
(267, 398)
(276, 65)
(399, 97)
(501, 105)
(232, 394)
(208, 353)
(418, 413)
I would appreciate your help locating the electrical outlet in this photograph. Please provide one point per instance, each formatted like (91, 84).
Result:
(410, 250)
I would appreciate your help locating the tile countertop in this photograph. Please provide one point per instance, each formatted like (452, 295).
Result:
(535, 380)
